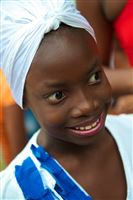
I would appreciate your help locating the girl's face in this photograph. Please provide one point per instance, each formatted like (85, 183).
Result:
(66, 88)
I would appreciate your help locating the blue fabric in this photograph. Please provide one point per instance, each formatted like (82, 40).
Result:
(65, 185)
(30, 182)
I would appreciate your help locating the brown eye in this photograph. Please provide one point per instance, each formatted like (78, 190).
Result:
(56, 97)
(95, 78)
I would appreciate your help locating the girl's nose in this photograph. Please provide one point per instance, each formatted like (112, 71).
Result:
(84, 105)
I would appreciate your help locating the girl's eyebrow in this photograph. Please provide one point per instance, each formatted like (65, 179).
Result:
(55, 85)
(49, 86)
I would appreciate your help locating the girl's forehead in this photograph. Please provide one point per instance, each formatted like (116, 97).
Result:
(64, 45)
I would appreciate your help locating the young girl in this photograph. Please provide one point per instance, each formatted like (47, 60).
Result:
(50, 58)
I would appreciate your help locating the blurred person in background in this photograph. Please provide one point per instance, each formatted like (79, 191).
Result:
(124, 103)
(13, 135)
(114, 19)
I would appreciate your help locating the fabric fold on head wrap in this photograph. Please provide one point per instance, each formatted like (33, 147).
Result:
(23, 26)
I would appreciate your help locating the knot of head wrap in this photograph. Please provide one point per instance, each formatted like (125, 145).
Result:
(23, 26)
(53, 21)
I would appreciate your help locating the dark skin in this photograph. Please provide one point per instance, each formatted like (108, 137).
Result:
(101, 14)
(15, 128)
(67, 88)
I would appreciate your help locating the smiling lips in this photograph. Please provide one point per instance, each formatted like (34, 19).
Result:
(90, 129)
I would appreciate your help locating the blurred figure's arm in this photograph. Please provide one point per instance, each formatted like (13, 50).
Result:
(124, 104)
(121, 80)
(15, 128)
(13, 134)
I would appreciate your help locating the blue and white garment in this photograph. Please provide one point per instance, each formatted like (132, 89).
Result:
(121, 128)
(33, 187)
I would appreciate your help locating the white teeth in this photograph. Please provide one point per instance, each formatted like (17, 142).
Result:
(94, 124)
(88, 127)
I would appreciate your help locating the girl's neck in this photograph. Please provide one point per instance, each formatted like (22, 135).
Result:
(58, 147)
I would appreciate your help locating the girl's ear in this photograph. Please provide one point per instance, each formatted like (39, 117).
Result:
(25, 106)
(25, 101)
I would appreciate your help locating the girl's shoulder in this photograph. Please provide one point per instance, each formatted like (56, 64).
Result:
(121, 129)
(120, 121)
(120, 125)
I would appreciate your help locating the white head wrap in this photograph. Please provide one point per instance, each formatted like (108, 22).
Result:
(23, 25)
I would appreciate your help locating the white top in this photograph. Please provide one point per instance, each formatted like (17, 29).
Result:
(120, 127)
